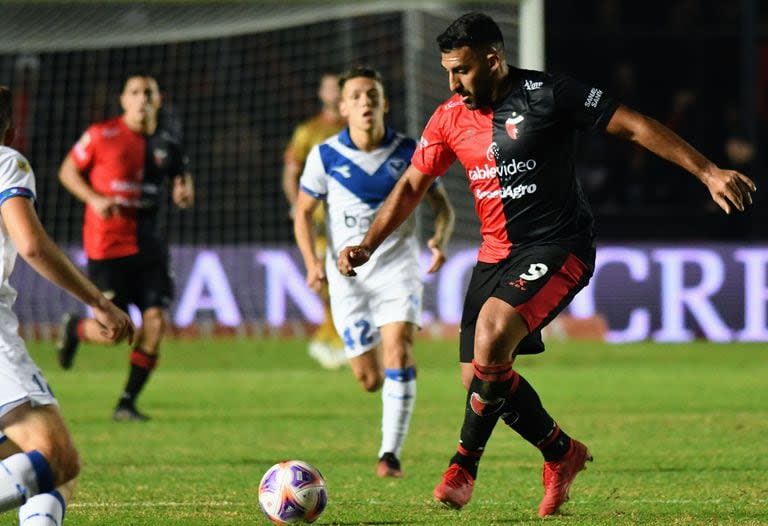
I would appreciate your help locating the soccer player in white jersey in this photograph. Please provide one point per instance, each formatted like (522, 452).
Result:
(39, 458)
(377, 313)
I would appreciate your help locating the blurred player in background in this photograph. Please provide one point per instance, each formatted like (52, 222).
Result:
(513, 131)
(119, 169)
(377, 314)
(325, 346)
(40, 461)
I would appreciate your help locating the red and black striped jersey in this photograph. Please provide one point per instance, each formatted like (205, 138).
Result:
(133, 168)
(518, 156)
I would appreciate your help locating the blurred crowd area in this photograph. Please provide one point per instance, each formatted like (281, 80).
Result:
(239, 97)
(679, 61)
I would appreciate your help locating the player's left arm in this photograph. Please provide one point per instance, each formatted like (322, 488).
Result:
(445, 218)
(184, 190)
(728, 188)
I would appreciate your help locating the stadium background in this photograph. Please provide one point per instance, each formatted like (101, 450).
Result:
(239, 77)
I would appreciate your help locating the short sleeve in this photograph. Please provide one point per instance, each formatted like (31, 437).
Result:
(433, 155)
(16, 177)
(83, 150)
(584, 105)
(314, 180)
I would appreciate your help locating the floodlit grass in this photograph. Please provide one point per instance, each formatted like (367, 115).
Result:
(678, 433)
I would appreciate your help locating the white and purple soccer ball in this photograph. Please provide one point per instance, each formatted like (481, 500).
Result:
(292, 491)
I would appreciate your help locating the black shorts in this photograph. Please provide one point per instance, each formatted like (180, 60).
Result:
(539, 281)
(142, 280)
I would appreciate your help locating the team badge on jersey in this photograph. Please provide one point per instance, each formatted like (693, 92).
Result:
(160, 156)
(23, 165)
(396, 167)
(511, 126)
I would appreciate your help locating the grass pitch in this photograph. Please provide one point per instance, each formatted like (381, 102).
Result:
(678, 433)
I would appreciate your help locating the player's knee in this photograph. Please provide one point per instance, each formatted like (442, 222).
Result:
(63, 460)
(371, 381)
(494, 337)
(154, 326)
(68, 468)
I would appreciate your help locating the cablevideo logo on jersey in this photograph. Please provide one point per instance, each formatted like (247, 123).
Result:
(487, 171)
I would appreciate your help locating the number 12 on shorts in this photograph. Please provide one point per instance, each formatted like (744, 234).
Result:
(362, 329)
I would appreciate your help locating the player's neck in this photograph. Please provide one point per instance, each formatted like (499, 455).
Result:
(367, 140)
(504, 85)
(145, 126)
(330, 115)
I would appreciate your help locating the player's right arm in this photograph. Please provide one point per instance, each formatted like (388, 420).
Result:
(42, 254)
(74, 181)
(400, 203)
(304, 231)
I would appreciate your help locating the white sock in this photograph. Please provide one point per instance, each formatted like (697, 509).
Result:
(20, 478)
(46, 509)
(398, 395)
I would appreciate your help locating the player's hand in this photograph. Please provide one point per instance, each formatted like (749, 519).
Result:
(351, 257)
(183, 193)
(316, 276)
(105, 206)
(730, 189)
(438, 256)
(114, 324)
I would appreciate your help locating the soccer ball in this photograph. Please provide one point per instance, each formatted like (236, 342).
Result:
(292, 491)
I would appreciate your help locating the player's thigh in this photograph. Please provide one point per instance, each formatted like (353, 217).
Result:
(483, 281)
(21, 380)
(113, 278)
(540, 281)
(397, 344)
(156, 287)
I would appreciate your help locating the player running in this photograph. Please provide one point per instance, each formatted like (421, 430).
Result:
(378, 313)
(513, 131)
(119, 169)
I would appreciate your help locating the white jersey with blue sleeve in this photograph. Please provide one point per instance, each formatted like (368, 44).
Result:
(354, 184)
(21, 380)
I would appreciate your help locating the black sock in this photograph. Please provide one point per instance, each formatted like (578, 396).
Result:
(142, 365)
(485, 401)
(524, 413)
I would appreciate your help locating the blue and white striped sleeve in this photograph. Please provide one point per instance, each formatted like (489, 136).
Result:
(16, 176)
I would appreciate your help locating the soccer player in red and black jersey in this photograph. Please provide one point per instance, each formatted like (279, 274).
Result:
(119, 169)
(513, 131)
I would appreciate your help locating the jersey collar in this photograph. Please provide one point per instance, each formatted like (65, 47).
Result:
(346, 139)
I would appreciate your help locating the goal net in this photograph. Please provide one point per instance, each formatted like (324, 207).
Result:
(239, 76)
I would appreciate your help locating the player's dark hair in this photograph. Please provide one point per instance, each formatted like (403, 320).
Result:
(6, 108)
(134, 73)
(473, 30)
(360, 71)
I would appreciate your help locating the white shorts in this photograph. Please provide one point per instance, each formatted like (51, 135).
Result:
(358, 313)
(21, 380)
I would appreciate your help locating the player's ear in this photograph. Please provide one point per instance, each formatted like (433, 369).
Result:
(343, 109)
(494, 60)
(386, 105)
